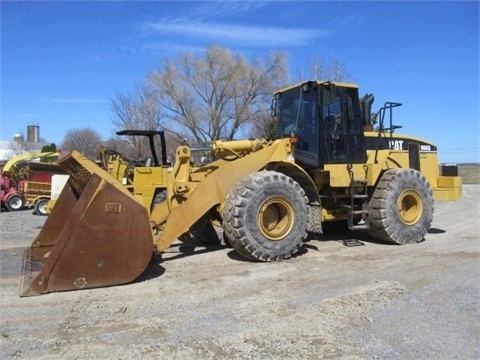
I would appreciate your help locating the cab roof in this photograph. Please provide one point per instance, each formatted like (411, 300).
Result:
(319, 82)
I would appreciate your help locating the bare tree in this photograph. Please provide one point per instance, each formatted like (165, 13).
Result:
(216, 95)
(318, 69)
(85, 140)
(264, 127)
(137, 148)
(137, 111)
(19, 145)
(122, 146)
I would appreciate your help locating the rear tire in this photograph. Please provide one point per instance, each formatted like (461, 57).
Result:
(401, 207)
(265, 216)
(15, 203)
(204, 231)
(41, 207)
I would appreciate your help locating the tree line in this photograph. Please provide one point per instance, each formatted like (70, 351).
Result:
(198, 98)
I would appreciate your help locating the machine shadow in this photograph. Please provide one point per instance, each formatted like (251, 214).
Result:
(174, 252)
(436, 231)
(153, 270)
(339, 232)
(332, 232)
(234, 255)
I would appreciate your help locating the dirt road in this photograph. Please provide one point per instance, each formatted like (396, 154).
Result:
(374, 301)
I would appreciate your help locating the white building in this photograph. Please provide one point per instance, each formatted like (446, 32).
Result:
(17, 146)
(8, 149)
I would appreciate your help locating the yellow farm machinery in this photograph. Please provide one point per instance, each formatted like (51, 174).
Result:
(326, 164)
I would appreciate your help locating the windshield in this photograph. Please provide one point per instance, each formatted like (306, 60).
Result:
(287, 112)
(297, 114)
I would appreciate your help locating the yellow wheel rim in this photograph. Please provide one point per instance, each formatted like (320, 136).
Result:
(275, 218)
(409, 207)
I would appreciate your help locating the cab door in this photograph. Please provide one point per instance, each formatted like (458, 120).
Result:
(343, 139)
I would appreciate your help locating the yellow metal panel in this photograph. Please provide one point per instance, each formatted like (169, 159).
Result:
(339, 176)
(447, 194)
(19, 158)
(448, 188)
(374, 134)
(390, 159)
(212, 191)
(449, 181)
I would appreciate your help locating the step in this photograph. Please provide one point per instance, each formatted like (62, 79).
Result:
(360, 196)
(360, 227)
(360, 212)
(352, 242)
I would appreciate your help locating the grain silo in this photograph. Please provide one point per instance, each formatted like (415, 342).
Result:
(33, 133)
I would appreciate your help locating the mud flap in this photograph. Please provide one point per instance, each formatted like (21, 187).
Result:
(96, 235)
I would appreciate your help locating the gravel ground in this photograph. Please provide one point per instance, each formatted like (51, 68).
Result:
(375, 301)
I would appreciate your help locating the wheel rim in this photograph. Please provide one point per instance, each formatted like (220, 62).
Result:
(42, 207)
(410, 207)
(16, 203)
(275, 218)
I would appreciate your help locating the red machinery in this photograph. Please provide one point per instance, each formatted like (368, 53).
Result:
(27, 183)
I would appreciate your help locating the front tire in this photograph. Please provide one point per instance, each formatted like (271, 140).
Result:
(401, 207)
(15, 203)
(265, 216)
(41, 207)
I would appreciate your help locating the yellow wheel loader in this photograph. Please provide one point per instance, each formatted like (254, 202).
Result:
(327, 164)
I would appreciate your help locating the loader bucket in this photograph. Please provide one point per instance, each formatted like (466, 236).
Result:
(97, 235)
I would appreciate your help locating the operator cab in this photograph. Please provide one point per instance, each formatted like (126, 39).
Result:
(325, 118)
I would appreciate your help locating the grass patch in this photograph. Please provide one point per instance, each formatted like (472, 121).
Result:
(470, 173)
